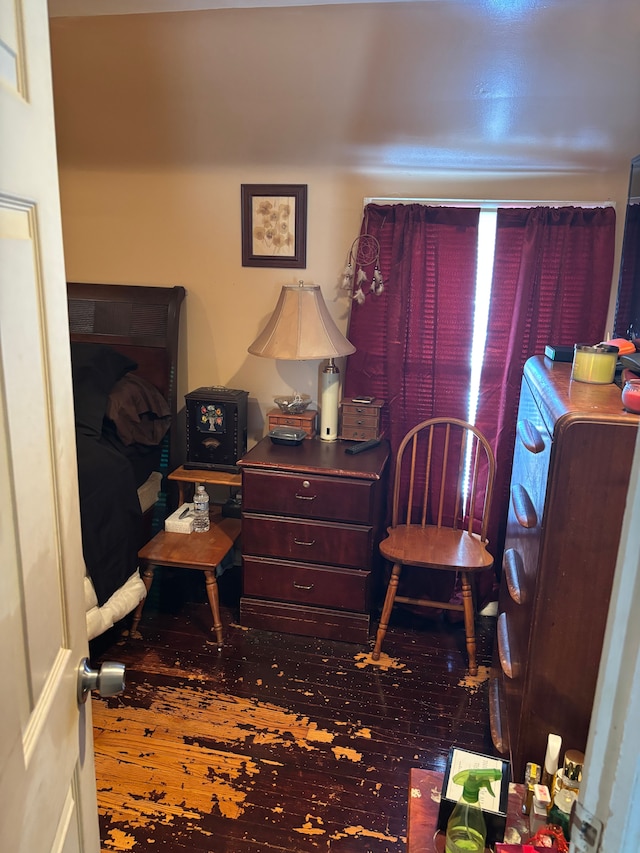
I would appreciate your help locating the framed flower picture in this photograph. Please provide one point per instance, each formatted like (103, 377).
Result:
(274, 225)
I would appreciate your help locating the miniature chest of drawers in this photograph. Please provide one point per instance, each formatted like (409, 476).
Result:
(305, 420)
(311, 524)
(360, 421)
(572, 461)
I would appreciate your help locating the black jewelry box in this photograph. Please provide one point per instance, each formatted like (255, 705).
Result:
(216, 428)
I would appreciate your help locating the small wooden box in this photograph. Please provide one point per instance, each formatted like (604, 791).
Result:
(360, 421)
(305, 420)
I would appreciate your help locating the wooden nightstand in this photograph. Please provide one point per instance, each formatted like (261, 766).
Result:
(311, 524)
(305, 420)
(359, 421)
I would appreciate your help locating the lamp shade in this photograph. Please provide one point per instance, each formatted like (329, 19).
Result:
(301, 328)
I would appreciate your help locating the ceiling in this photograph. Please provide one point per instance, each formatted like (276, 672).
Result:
(540, 86)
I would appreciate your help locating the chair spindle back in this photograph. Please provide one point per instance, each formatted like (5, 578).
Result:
(444, 476)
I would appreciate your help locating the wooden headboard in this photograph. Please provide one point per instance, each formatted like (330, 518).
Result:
(141, 322)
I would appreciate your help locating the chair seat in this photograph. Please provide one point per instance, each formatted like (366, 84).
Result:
(435, 548)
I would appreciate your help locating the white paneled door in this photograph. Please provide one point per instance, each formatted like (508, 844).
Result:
(47, 781)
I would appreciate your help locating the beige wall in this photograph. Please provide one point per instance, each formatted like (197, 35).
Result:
(179, 227)
(161, 118)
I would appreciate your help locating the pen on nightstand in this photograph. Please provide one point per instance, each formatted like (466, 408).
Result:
(184, 512)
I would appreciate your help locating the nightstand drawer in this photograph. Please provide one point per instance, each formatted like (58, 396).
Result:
(329, 498)
(307, 541)
(310, 621)
(346, 589)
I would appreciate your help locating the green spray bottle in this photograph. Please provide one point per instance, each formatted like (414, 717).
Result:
(466, 828)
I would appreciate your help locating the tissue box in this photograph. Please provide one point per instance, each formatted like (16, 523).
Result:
(493, 808)
(175, 524)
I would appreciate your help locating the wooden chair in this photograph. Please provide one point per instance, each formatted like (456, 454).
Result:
(442, 491)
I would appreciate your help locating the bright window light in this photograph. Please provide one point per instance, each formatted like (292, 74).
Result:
(484, 275)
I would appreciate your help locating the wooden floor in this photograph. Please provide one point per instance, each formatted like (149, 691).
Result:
(278, 742)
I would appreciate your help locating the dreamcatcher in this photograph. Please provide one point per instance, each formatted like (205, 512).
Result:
(364, 251)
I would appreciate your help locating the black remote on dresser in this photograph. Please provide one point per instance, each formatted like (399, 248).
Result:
(362, 446)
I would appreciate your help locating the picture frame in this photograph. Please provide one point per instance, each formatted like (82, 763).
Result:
(274, 225)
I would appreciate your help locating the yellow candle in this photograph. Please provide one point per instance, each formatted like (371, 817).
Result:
(596, 364)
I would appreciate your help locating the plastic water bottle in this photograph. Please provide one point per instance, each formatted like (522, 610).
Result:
(200, 510)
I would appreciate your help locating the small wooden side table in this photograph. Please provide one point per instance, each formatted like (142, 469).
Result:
(190, 551)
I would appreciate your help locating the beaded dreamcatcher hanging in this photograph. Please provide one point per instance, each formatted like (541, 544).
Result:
(364, 251)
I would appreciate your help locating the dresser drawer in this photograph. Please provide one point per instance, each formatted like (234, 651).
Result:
(508, 655)
(346, 589)
(307, 541)
(284, 617)
(309, 496)
(359, 433)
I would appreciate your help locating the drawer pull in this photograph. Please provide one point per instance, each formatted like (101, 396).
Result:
(523, 506)
(513, 571)
(530, 436)
(300, 542)
(302, 586)
(504, 650)
(306, 497)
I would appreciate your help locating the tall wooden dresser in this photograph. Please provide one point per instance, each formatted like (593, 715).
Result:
(311, 524)
(574, 446)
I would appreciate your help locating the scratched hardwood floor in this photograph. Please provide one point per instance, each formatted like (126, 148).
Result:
(278, 742)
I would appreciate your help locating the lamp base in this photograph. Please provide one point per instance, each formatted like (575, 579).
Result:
(329, 402)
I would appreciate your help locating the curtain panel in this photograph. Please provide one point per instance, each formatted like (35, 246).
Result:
(552, 277)
(627, 322)
(412, 342)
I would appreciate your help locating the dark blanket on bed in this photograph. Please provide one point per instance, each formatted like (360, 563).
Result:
(110, 514)
(109, 506)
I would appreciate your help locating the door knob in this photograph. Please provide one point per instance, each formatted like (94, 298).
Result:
(107, 680)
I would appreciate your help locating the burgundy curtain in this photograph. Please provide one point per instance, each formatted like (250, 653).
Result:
(551, 284)
(627, 321)
(413, 341)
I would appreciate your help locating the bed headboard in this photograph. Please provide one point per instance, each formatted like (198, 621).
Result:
(140, 322)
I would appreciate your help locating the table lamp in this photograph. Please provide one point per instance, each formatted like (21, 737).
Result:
(302, 329)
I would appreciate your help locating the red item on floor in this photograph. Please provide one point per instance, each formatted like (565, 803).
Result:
(551, 837)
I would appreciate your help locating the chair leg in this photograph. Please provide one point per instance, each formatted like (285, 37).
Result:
(389, 598)
(469, 622)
